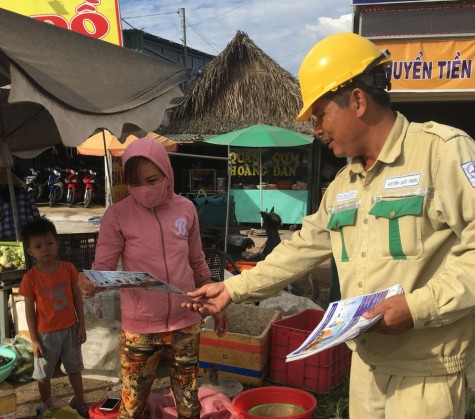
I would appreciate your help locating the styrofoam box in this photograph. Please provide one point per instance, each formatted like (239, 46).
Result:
(243, 353)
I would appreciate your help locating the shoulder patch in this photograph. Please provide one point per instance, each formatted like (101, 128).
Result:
(445, 132)
(469, 170)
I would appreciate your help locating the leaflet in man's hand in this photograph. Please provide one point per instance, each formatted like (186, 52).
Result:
(342, 321)
(125, 279)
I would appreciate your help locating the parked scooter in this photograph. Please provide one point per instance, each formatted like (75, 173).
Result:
(55, 185)
(89, 180)
(34, 185)
(74, 190)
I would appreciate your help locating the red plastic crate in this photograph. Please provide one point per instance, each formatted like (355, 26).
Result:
(320, 372)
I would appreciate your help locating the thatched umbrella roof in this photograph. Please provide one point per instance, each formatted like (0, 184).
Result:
(240, 87)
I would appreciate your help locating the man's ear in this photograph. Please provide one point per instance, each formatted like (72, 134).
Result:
(358, 101)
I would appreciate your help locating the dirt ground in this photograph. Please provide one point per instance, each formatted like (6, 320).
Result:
(70, 220)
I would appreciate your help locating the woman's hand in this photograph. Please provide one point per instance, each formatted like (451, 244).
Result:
(88, 288)
(221, 324)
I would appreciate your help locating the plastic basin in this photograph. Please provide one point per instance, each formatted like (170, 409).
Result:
(249, 399)
(96, 413)
(5, 370)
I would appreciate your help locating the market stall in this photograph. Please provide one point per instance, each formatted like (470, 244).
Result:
(280, 182)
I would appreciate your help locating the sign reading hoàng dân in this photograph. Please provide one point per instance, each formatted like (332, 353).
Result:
(97, 18)
(431, 65)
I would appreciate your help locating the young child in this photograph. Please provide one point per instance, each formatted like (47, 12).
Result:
(54, 312)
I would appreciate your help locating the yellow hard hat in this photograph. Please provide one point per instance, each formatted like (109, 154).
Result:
(333, 61)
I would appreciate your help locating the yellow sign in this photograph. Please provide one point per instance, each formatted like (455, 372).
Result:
(284, 164)
(97, 18)
(431, 65)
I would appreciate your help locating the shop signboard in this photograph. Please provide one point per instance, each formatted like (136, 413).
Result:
(276, 164)
(429, 65)
(368, 2)
(97, 18)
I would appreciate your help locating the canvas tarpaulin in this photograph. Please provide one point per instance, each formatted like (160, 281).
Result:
(83, 83)
(58, 86)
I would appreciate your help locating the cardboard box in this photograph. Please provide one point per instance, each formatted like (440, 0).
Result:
(320, 372)
(8, 406)
(242, 354)
(17, 307)
(6, 389)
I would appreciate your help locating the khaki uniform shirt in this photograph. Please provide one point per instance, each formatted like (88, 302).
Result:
(409, 219)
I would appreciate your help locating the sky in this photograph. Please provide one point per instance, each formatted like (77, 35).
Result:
(284, 29)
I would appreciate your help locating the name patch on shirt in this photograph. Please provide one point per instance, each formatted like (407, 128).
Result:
(402, 181)
(469, 169)
(345, 196)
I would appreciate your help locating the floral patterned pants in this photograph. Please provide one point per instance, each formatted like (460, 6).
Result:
(140, 355)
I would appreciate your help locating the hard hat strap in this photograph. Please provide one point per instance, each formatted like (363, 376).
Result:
(377, 80)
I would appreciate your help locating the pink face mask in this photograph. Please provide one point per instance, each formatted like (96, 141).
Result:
(150, 196)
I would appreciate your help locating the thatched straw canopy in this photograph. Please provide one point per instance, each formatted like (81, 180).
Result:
(240, 87)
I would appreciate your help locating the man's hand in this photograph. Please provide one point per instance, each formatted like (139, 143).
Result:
(210, 299)
(221, 324)
(88, 288)
(396, 319)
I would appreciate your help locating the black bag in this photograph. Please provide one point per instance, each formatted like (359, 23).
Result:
(212, 210)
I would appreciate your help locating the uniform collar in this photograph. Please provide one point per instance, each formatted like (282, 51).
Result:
(392, 146)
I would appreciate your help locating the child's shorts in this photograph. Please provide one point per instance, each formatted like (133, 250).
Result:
(60, 345)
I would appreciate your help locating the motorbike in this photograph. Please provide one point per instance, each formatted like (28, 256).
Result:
(89, 180)
(74, 191)
(55, 185)
(304, 286)
(34, 185)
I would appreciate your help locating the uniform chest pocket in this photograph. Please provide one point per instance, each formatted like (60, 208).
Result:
(343, 228)
(399, 227)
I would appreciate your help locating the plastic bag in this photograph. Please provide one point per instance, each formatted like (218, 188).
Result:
(65, 412)
(23, 368)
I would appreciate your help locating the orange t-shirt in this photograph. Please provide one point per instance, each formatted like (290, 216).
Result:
(53, 295)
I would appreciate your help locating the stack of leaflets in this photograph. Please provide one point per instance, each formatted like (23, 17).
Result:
(125, 279)
(343, 321)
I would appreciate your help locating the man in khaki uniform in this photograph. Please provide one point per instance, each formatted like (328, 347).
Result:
(402, 211)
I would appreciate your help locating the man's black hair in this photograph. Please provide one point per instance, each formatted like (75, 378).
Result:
(37, 227)
(376, 89)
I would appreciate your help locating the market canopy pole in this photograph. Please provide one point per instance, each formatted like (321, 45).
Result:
(6, 162)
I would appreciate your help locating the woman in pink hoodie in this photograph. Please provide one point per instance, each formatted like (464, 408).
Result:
(154, 230)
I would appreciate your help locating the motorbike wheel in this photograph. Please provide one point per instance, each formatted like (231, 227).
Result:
(87, 198)
(305, 287)
(53, 197)
(71, 197)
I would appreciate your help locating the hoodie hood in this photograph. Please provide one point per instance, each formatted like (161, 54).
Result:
(154, 151)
